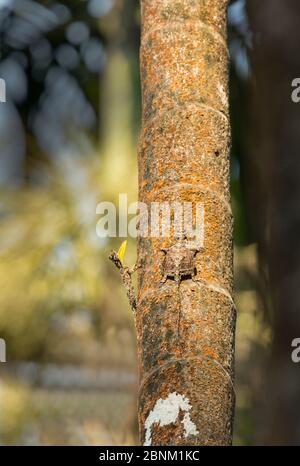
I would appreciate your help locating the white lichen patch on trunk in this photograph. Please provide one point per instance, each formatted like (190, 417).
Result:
(166, 411)
(222, 94)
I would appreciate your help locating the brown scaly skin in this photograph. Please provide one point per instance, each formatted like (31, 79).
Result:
(126, 273)
(179, 262)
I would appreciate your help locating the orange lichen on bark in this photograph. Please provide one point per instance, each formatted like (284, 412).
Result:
(186, 333)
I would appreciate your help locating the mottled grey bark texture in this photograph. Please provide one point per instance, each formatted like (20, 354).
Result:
(272, 175)
(186, 333)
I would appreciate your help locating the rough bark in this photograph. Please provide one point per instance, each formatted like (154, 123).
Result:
(273, 174)
(186, 333)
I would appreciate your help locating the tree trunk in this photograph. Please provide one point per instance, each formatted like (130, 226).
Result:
(186, 330)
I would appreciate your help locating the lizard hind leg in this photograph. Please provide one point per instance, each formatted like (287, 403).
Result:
(164, 279)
